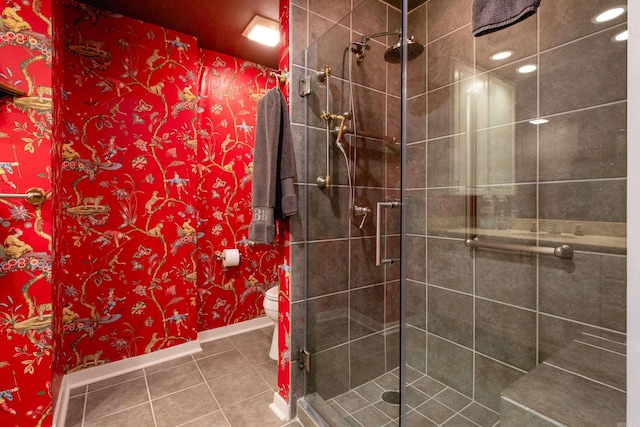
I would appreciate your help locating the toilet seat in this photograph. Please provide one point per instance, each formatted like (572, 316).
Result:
(270, 304)
(272, 294)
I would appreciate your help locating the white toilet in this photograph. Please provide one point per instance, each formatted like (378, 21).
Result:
(271, 310)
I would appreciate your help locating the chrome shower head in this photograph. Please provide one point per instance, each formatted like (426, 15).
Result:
(393, 55)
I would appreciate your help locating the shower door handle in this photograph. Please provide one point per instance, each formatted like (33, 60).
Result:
(379, 206)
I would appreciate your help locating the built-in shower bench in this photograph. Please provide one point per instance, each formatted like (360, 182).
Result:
(581, 385)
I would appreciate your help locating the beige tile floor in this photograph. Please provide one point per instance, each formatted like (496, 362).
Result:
(229, 384)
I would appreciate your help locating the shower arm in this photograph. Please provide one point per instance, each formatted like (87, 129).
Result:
(367, 37)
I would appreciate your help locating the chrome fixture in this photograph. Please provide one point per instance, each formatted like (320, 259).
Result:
(360, 49)
(393, 54)
(379, 206)
(324, 73)
(363, 134)
(360, 212)
(323, 76)
(563, 251)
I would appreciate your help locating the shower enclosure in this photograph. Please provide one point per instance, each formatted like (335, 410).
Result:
(463, 226)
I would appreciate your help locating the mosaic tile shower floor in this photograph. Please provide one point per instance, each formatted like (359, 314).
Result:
(430, 403)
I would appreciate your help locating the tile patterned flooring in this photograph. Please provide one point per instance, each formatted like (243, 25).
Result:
(430, 403)
(229, 384)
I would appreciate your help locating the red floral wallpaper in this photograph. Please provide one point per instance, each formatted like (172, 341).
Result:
(229, 90)
(25, 229)
(284, 305)
(152, 170)
(127, 188)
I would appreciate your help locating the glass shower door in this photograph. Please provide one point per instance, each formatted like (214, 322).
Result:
(518, 155)
(352, 190)
(512, 226)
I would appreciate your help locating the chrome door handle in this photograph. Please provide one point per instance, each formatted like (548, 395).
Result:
(379, 206)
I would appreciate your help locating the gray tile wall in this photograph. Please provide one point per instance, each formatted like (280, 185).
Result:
(490, 316)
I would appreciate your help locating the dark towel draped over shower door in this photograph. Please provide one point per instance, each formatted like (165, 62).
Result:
(492, 15)
(273, 195)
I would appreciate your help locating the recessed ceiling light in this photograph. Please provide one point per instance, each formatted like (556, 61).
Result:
(263, 30)
(501, 55)
(538, 121)
(530, 68)
(609, 14)
(620, 37)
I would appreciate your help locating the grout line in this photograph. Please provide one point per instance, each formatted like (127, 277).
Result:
(583, 376)
(602, 328)
(447, 34)
(532, 310)
(119, 411)
(606, 339)
(595, 33)
(478, 353)
(537, 54)
(532, 411)
(601, 348)
(565, 181)
(84, 405)
(149, 401)
(211, 391)
(201, 417)
(486, 407)
(112, 385)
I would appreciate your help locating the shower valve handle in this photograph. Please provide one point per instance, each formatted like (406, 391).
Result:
(364, 219)
(364, 211)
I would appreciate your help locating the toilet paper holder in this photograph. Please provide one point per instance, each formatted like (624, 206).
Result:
(220, 256)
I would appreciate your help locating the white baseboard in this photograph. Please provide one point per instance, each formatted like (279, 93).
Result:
(280, 407)
(234, 329)
(120, 367)
(60, 411)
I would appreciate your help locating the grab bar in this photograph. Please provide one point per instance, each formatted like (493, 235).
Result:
(323, 76)
(379, 206)
(35, 196)
(563, 251)
(383, 138)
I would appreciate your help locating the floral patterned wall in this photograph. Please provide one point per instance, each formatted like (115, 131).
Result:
(284, 302)
(130, 181)
(229, 90)
(126, 189)
(25, 228)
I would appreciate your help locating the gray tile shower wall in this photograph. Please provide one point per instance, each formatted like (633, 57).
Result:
(491, 317)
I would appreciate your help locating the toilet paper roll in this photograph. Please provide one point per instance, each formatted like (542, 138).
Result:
(230, 257)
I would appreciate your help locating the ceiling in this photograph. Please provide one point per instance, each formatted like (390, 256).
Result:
(217, 24)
